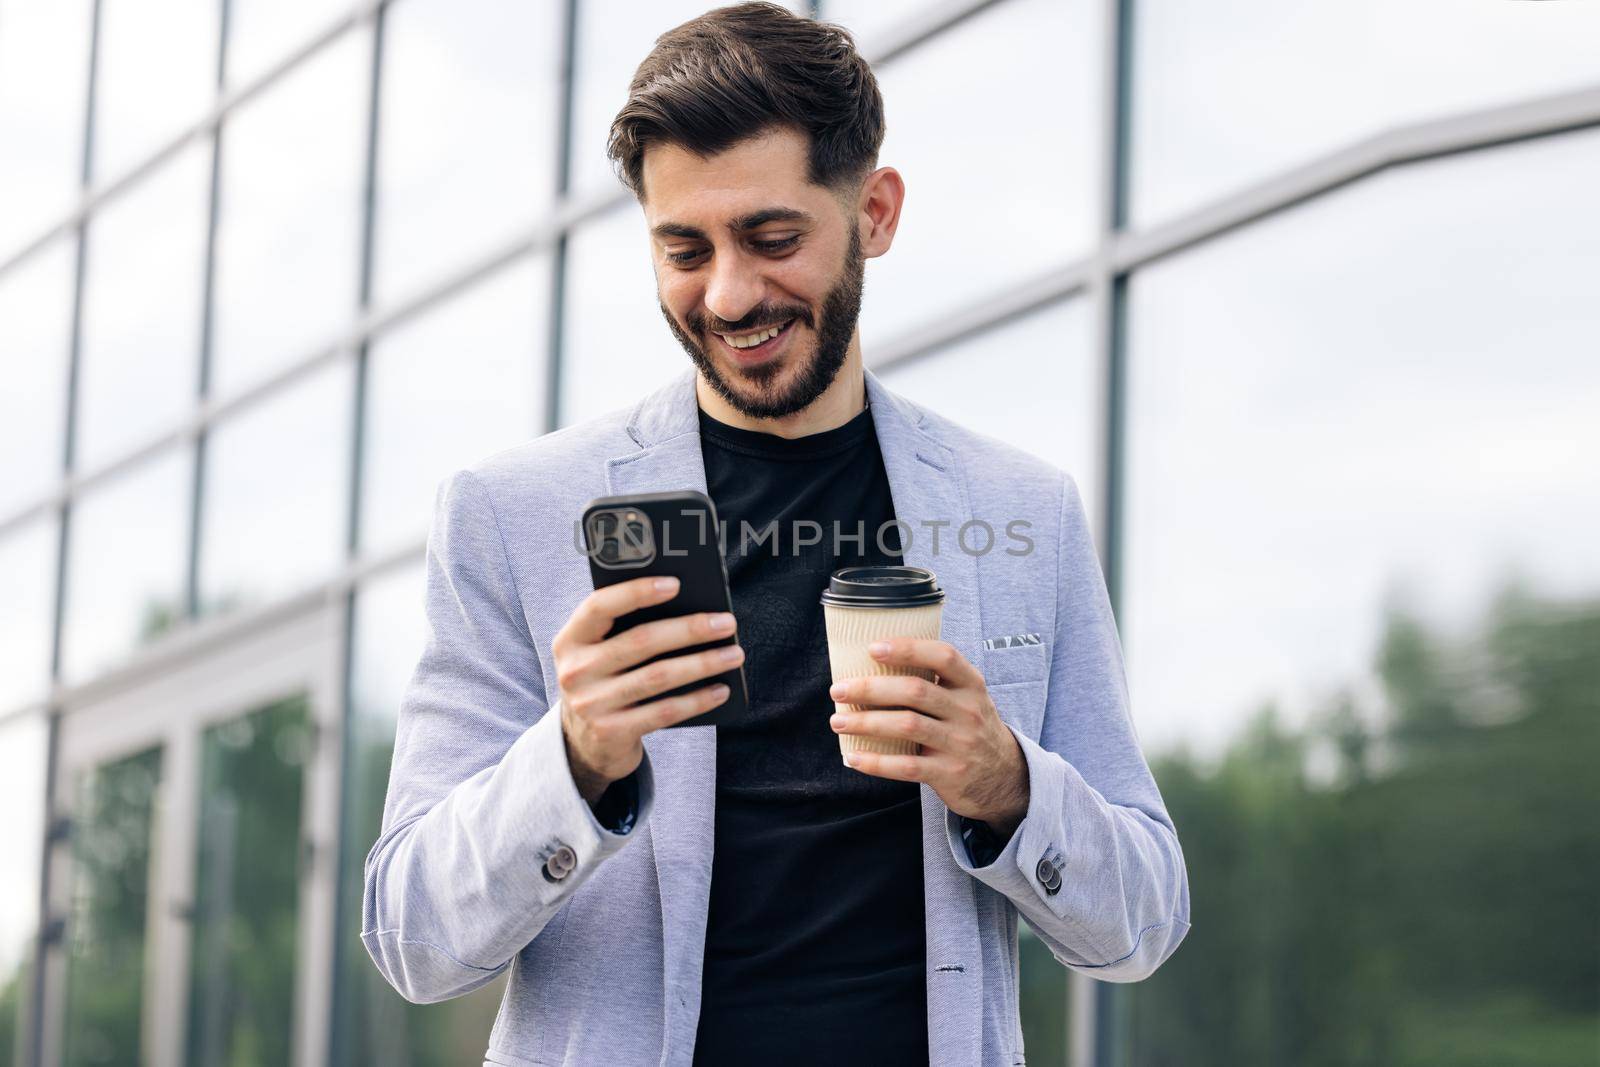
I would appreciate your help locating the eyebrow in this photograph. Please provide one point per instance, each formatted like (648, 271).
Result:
(743, 224)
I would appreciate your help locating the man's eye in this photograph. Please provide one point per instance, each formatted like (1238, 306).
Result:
(764, 247)
(776, 246)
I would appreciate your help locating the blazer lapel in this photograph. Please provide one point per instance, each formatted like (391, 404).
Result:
(666, 426)
(927, 487)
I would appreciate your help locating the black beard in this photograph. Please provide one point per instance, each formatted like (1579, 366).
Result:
(840, 310)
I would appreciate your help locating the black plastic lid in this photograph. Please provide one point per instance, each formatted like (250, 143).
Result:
(882, 587)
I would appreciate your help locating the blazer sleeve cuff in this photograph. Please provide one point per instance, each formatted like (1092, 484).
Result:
(1034, 858)
(558, 810)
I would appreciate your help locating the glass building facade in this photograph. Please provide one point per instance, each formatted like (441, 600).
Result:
(1302, 295)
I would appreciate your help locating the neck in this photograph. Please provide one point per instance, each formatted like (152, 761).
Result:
(839, 403)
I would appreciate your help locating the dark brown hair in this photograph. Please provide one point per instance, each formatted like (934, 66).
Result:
(737, 72)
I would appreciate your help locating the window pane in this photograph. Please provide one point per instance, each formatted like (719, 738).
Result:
(1045, 401)
(471, 91)
(288, 239)
(241, 999)
(142, 308)
(1205, 122)
(1020, 83)
(1362, 617)
(263, 32)
(617, 342)
(111, 849)
(868, 20)
(614, 36)
(374, 1024)
(276, 485)
(464, 380)
(157, 73)
(27, 597)
(44, 80)
(35, 323)
(24, 755)
(126, 563)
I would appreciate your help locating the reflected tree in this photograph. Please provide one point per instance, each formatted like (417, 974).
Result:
(1433, 901)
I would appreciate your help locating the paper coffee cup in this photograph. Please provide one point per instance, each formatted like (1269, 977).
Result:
(866, 604)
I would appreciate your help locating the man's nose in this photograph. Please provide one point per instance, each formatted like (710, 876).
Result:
(734, 288)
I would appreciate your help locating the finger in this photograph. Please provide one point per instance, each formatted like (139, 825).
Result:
(941, 657)
(647, 640)
(642, 683)
(596, 613)
(658, 714)
(900, 768)
(896, 691)
(898, 725)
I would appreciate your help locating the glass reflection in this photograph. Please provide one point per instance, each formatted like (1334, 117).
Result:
(1202, 126)
(869, 20)
(613, 37)
(1046, 401)
(375, 1025)
(129, 543)
(24, 754)
(44, 83)
(263, 32)
(464, 380)
(1018, 82)
(27, 595)
(288, 232)
(1362, 618)
(105, 952)
(276, 487)
(471, 90)
(617, 343)
(140, 358)
(157, 72)
(241, 999)
(35, 323)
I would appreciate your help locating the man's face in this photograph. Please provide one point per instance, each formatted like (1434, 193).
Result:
(742, 241)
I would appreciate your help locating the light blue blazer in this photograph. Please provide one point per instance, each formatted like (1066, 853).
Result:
(489, 859)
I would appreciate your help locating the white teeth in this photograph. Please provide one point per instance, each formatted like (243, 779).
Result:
(750, 340)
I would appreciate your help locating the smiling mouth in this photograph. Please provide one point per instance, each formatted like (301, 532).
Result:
(758, 349)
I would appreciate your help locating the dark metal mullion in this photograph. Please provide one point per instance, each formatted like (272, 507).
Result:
(337, 1037)
(1112, 1001)
(50, 927)
(192, 605)
(555, 347)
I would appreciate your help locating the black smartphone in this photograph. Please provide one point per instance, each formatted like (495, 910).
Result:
(667, 534)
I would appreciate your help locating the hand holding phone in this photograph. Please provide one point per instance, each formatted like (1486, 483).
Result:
(611, 696)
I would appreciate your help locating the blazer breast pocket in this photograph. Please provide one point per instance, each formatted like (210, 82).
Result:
(1013, 658)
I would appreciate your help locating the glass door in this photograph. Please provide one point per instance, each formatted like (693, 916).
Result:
(192, 874)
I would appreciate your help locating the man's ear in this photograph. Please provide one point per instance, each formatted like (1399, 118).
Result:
(878, 210)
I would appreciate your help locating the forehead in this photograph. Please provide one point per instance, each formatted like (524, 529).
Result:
(686, 192)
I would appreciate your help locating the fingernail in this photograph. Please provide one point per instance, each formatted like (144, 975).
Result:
(731, 654)
(837, 690)
(719, 693)
(836, 721)
(666, 585)
(722, 620)
(852, 759)
(878, 648)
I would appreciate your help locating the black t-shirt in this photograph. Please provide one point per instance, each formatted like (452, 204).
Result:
(815, 941)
